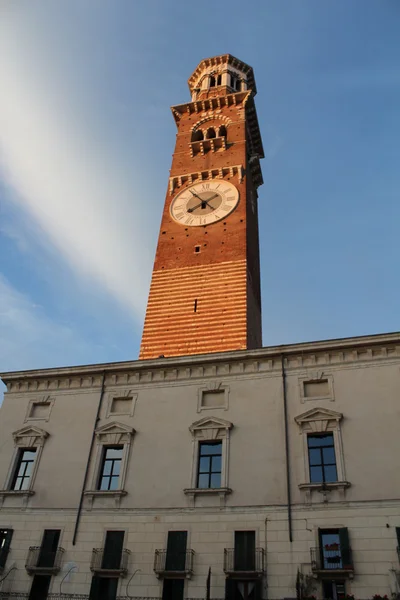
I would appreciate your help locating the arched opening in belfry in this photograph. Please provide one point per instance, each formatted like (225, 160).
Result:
(212, 81)
(222, 131)
(211, 133)
(219, 79)
(238, 85)
(197, 135)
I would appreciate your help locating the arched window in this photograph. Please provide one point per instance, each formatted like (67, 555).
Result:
(197, 136)
(232, 80)
(219, 79)
(222, 131)
(211, 133)
(212, 81)
(238, 85)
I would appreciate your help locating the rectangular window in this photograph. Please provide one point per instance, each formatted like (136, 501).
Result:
(176, 551)
(48, 549)
(335, 548)
(245, 550)
(110, 468)
(5, 541)
(210, 465)
(321, 458)
(23, 470)
(113, 550)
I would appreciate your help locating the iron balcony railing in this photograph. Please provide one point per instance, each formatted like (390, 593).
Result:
(252, 563)
(109, 564)
(42, 561)
(331, 558)
(173, 563)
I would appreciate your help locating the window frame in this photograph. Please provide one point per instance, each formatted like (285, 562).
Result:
(20, 459)
(322, 464)
(104, 459)
(316, 377)
(210, 429)
(27, 438)
(210, 471)
(110, 434)
(5, 548)
(322, 420)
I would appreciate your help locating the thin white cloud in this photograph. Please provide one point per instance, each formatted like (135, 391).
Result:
(64, 174)
(29, 339)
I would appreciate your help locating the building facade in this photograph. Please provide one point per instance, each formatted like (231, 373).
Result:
(211, 467)
(288, 454)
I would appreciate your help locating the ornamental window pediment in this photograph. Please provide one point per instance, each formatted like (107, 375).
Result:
(30, 436)
(114, 433)
(319, 420)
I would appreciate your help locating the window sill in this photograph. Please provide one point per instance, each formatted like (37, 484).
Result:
(24, 494)
(324, 488)
(115, 494)
(221, 492)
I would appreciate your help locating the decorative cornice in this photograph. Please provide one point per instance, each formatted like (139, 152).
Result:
(335, 354)
(213, 103)
(177, 181)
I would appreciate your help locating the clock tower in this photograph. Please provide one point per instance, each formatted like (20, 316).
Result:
(205, 289)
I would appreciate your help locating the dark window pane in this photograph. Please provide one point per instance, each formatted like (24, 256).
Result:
(104, 483)
(316, 474)
(330, 474)
(216, 480)
(313, 440)
(210, 449)
(204, 466)
(107, 467)
(203, 481)
(216, 464)
(117, 467)
(326, 440)
(329, 456)
(315, 456)
(29, 454)
(113, 483)
(114, 452)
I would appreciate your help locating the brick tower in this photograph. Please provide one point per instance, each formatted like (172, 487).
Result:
(205, 289)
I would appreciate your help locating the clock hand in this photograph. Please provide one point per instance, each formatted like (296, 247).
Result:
(194, 207)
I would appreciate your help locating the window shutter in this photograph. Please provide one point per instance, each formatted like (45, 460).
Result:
(345, 549)
(94, 593)
(176, 551)
(48, 549)
(245, 550)
(5, 541)
(113, 550)
(230, 589)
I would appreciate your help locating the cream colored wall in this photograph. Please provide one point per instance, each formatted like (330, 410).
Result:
(159, 469)
(373, 544)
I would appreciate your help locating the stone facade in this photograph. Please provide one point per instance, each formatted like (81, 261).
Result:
(261, 404)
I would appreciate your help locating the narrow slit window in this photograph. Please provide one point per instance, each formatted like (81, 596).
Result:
(195, 306)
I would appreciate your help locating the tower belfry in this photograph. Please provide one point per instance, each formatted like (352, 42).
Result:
(205, 289)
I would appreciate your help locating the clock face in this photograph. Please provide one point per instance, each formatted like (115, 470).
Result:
(204, 203)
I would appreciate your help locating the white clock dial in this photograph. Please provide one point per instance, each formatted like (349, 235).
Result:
(204, 203)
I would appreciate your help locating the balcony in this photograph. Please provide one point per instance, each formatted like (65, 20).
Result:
(109, 565)
(43, 562)
(332, 562)
(252, 565)
(167, 564)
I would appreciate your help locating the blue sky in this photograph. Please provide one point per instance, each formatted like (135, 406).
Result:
(86, 138)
